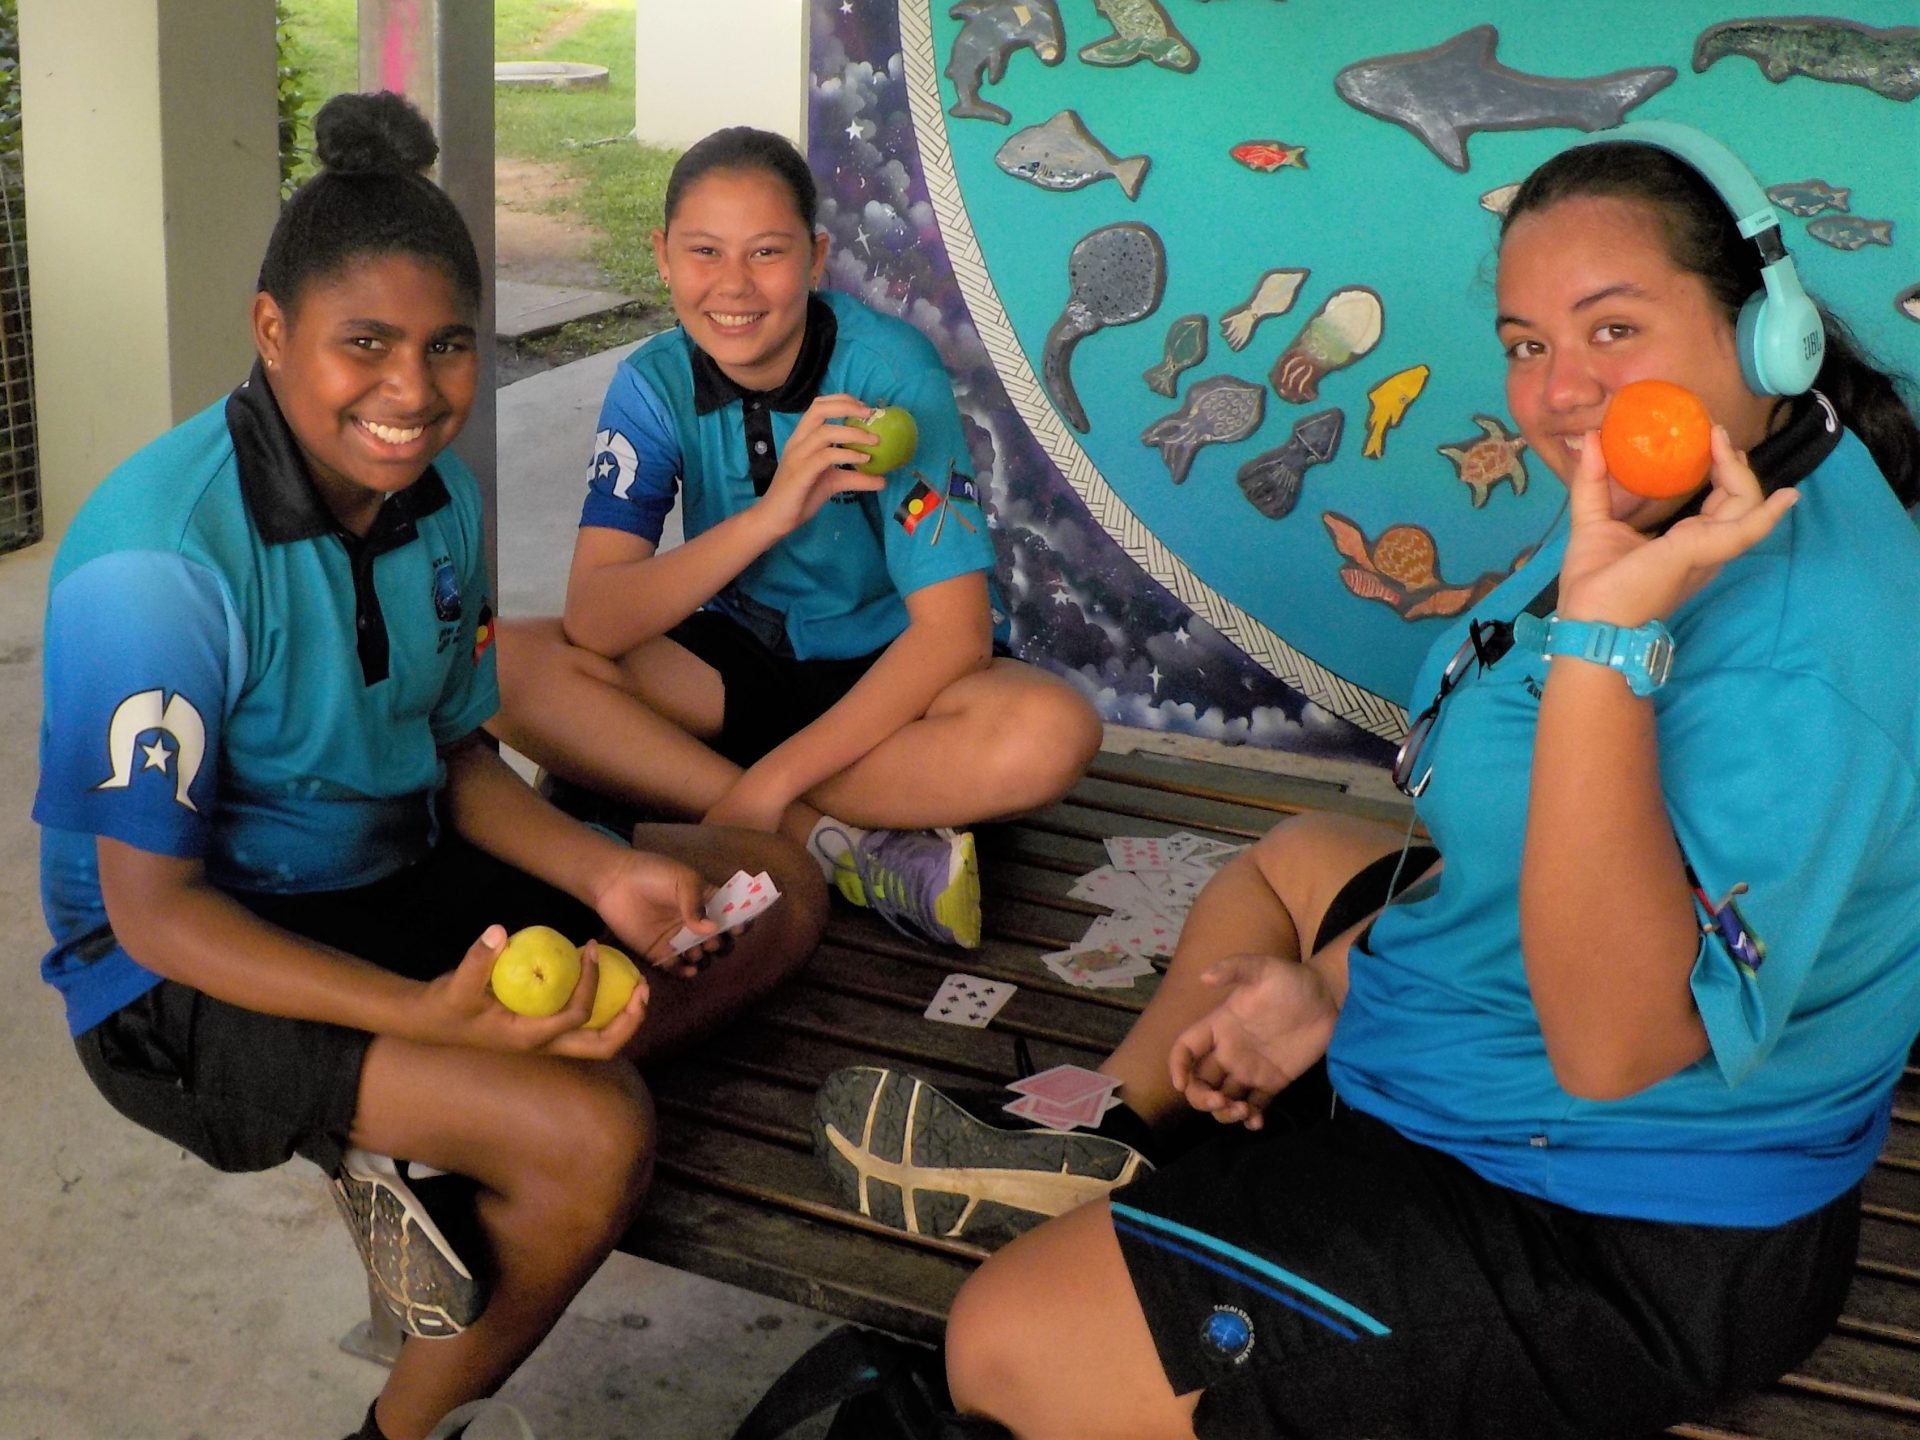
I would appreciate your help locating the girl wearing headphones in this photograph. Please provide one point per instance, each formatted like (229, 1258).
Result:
(1592, 1157)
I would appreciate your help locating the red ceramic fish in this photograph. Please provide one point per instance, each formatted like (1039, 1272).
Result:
(1267, 155)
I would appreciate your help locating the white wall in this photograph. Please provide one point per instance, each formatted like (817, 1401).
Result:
(702, 64)
(152, 170)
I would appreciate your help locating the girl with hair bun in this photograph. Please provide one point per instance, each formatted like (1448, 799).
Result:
(279, 857)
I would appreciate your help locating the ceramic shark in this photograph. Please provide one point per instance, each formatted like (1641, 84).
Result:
(1446, 93)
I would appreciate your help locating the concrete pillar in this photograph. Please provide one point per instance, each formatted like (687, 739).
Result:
(152, 167)
(439, 54)
(698, 67)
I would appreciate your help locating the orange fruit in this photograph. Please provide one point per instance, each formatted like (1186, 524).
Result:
(1657, 438)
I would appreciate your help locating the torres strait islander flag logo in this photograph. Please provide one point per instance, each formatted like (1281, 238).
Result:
(614, 462)
(176, 719)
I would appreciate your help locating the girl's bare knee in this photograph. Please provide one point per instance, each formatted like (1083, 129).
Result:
(1040, 743)
(983, 1339)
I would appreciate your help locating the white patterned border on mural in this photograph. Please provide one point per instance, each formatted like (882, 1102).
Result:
(1329, 691)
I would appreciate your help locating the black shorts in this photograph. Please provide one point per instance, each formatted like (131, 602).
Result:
(1328, 1277)
(769, 696)
(245, 1090)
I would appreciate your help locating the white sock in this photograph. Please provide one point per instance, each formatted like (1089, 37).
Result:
(828, 840)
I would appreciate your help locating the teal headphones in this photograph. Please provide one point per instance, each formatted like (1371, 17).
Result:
(1779, 333)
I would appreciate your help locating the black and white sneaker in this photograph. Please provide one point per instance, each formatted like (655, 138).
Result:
(413, 1264)
(912, 1158)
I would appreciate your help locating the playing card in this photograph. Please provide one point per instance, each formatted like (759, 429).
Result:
(731, 906)
(968, 1000)
(1064, 1084)
(1052, 1116)
(1115, 889)
(1097, 968)
(1138, 852)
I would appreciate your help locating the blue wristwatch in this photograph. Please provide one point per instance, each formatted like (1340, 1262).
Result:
(1643, 655)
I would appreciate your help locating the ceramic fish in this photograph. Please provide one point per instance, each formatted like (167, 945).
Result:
(1808, 197)
(1907, 302)
(1063, 155)
(1850, 232)
(1274, 295)
(1141, 31)
(1346, 327)
(1218, 411)
(1271, 482)
(1115, 276)
(1446, 93)
(1387, 405)
(1186, 348)
(1483, 461)
(1269, 155)
(994, 29)
(1401, 569)
(1840, 52)
(1499, 198)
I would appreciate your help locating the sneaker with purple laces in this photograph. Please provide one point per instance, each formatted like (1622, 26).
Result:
(924, 883)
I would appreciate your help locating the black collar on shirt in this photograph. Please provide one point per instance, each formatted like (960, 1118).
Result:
(284, 507)
(714, 389)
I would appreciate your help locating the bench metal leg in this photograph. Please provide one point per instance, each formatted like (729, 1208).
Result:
(376, 1338)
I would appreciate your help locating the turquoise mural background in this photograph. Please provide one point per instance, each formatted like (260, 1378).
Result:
(1373, 207)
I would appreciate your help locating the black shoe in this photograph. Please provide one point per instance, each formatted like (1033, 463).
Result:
(407, 1252)
(912, 1158)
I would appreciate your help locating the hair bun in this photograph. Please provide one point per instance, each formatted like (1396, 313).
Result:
(356, 134)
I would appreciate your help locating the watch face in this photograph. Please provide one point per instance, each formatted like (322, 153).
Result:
(1658, 660)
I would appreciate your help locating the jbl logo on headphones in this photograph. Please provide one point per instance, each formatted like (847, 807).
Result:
(1810, 345)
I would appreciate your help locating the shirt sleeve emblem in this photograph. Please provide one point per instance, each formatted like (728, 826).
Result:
(615, 464)
(143, 714)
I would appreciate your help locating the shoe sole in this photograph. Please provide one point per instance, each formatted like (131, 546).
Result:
(412, 1265)
(905, 1155)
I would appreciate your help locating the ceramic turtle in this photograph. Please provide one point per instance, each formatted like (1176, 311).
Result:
(1485, 460)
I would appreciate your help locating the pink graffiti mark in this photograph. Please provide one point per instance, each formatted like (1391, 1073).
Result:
(399, 44)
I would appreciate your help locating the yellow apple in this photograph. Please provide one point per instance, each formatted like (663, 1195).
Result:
(897, 436)
(536, 971)
(618, 976)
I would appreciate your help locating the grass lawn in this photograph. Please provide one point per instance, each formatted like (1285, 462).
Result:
(622, 183)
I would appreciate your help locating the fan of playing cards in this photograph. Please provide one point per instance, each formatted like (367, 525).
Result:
(732, 905)
(1149, 886)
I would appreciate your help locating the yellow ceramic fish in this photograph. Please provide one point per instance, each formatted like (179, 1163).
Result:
(1387, 405)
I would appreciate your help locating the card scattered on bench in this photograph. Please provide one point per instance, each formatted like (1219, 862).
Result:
(968, 1000)
(731, 906)
(1066, 1097)
(1098, 968)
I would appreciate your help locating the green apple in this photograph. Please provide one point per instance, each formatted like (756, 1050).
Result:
(897, 437)
(535, 971)
(618, 976)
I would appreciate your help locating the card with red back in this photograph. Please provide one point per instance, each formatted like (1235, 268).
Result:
(1064, 1084)
(1053, 1116)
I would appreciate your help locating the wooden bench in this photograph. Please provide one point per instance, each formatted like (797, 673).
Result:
(739, 1197)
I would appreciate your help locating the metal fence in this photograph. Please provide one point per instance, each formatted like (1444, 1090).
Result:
(19, 451)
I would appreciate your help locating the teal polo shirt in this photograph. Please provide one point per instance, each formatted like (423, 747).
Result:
(1789, 738)
(230, 677)
(673, 423)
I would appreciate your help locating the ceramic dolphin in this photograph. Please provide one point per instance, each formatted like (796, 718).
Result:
(994, 29)
(1446, 93)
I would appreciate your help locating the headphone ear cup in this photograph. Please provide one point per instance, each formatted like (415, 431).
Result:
(1780, 335)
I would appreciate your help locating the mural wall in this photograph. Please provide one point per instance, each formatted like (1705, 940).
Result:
(1214, 281)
